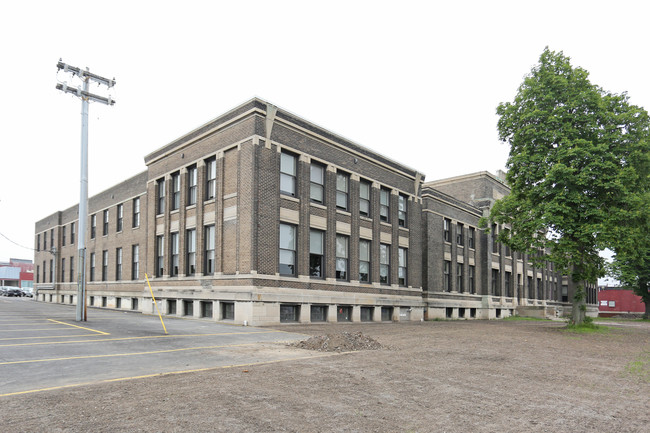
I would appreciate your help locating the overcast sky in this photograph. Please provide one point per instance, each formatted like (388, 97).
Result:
(418, 82)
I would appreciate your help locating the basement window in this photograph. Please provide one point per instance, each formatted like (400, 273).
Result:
(228, 311)
(366, 314)
(344, 313)
(319, 313)
(386, 314)
(289, 313)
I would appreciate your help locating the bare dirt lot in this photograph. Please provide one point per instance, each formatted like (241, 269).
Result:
(457, 376)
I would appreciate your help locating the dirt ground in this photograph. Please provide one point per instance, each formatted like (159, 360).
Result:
(456, 376)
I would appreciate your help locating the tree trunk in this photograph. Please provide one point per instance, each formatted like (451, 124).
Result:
(579, 306)
(647, 308)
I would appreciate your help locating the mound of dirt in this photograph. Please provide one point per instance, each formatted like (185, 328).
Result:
(342, 342)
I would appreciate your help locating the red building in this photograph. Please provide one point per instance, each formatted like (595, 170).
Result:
(17, 273)
(618, 300)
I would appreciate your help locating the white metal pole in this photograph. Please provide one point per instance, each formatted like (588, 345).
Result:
(83, 208)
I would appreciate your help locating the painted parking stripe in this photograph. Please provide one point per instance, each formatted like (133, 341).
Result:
(80, 327)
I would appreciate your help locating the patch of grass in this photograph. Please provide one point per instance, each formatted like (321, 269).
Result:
(587, 327)
(621, 319)
(516, 318)
(640, 368)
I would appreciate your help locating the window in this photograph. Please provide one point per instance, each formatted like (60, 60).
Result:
(287, 249)
(176, 191)
(71, 269)
(470, 279)
(160, 196)
(135, 261)
(206, 309)
(459, 278)
(190, 259)
(364, 261)
(63, 236)
(228, 311)
(319, 313)
(105, 228)
(160, 255)
(136, 212)
(366, 314)
(471, 234)
(44, 269)
(507, 252)
(120, 217)
(317, 182)
(287, 174)
(38, 274)
(38, 242)
(384, 205)
(188, 307)
(52, 239)
(118, 264)
(384, 264)
(93, 226)
(342, 257)
(209, 251)
(364, 198)
(342, 187)
(44, 242)
(507, 279)
(210, 178)
(446, 282)
(104, 265)
(459, 235)
(72, 233)
(446, 229)
(171, 306)
(173, 254)
(316, 247)
(92, 267)
(63, 269)
(289, 313)
(401, 210)
(495, 282)
(402, 266)
(344, 313)
(191, 185)
(495, 245)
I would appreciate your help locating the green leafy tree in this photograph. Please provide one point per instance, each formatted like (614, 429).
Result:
(568, 169)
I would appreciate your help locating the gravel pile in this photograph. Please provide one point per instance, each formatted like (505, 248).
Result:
(342, 342)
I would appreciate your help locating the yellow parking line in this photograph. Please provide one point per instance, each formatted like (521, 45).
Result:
(48, 336)
(130, 338)
(53, 328)
(80, 327)
(146, 376)
(113, 355)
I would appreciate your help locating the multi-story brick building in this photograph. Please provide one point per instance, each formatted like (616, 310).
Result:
(261, 217)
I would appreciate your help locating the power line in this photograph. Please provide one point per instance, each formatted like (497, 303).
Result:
(16, 243)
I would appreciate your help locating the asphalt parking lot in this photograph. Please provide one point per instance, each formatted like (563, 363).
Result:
(43, 348)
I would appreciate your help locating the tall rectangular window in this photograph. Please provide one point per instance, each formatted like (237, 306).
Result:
(342, 188)
(44, 243)
(342, 257)
(63, 236)
(210, 178)
(160, 196)
(173, 254)
(192, 180)
(135, 261)
(471, 237)
(446, 275)
(384, 205)
(176, 191)
(364, 261)
(384, 264)
(38, 274)
(190, 247)
(118, 264)
(51, 270)
(136, 212)
(72, 233)
(160, 255)
(364, 198)
(495, 283)
(105, 228)
(507, 277)
(93, 226)
(460, 286)
(287, 249)
(402, 203)
(209, 250)
(92, 267)
(460, 240)
(104, 265)
(317, 183)
(44, 269)
(471, 279)
(38, 242)
(120, 217)
(63, 269)
(495, 245)
(288, 173)
(71, 268)
(402, 266)
(446, 229)
(52, 238)
(316, 256)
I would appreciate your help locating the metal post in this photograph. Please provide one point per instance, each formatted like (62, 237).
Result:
(85, 96)
(83, 209)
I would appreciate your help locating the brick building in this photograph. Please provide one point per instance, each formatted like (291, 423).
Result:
(261, 217)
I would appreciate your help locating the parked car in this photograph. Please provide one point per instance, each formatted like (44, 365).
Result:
(27, 292)
(4, 290)
(15, 291)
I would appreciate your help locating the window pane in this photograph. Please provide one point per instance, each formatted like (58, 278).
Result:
(342, 246)
(316, 192)
(341, 182)
(287, 164)
(316, 174)
(287, 237)
(316, 242)
(287, 183)
(364, 190)
(364, 251)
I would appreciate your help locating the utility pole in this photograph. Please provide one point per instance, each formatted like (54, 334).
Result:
(85, 97)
